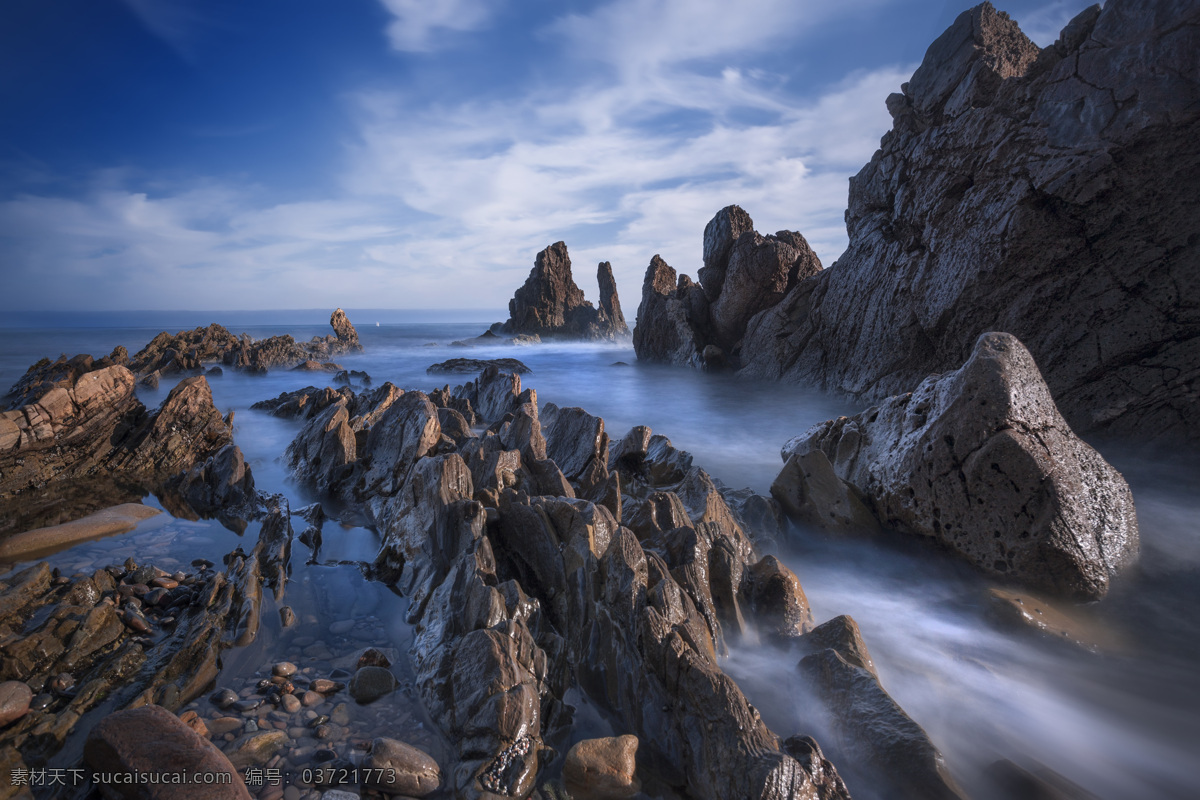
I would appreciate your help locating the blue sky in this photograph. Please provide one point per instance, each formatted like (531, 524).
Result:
(241, 154)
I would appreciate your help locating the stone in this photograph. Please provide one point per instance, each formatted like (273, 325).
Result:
(117, 519)
(876, 732)
(220, 726)
(152, 739)
(980, 461)
(777, 600)
(15, 697)
(578, 444)
(473, 366)
(602, 769)
(371, 683)
(284, 669)
(1023, 189)
(840, 634)
(550, 305)
(347, 336)
(668, 327)
(406, 769)
(256, 748)
(1040, 614)
(290, 703)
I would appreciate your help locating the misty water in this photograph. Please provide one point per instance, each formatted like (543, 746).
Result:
(1121, 722)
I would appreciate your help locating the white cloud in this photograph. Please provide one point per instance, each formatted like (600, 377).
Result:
(418, 22)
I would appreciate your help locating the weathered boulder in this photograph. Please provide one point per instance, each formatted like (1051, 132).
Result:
(1049, 193)
(549, 304)
(403, 769)
(578, 444)
(14, 701)
(152, 739)
(346, 335)
(980, 461)
(602, 769)
(491, 395)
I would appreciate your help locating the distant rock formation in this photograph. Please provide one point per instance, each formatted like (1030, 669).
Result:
(744, 272)
(549, 304)
(1051, 193)
(187, 352)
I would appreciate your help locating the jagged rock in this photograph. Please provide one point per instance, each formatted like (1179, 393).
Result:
(980, 461)
(810, 492)
(473, 366)
(184, 352)
(407, 431)
(777, 600)
(221, 481)
(302, 403)
(492, 395)
(151, 739)
(324, 452)
(1044, 192)
(346, 335)
(549, 304)
(577, 443)
(875, 732)
(666, 329)
(94, 432)
(841, 634)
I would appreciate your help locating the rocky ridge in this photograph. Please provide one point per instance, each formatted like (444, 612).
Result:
(1046, 192)
(550, 305)
(539, 555)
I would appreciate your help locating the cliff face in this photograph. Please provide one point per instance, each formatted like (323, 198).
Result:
(549, 303)
(1053, 194)
(1050, 193)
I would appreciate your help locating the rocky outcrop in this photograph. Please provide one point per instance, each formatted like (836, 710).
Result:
(89, 427)
(980, 461)
(744, 273)
(187, 352)
(1050, 193)
(473, 366)
(550, 305)
(521, 588)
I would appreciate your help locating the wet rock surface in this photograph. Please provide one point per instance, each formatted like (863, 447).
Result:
(980, 461)
(473, 366)
(550, 305)
(1048, 193)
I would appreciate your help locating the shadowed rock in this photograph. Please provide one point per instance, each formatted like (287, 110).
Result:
(550, 305)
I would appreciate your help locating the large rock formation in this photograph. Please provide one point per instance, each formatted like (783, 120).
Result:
(980, 461)
(77, 429)
(524, 584)
(744, 272)
(1052, 193)
(549, 304)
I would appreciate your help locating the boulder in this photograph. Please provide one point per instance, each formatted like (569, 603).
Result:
(405, 769)
(578, 444)
(602, 769)
(1044, 192)
(15, 697)
(473, 366)
(371, 683)
(980, 461)
(152, 739)
(346, 335)
(549, 304)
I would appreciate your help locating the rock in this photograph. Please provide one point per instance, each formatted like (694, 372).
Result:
(744, 273)
(371, 683)
(223, 481)
(840, 634)
(473, 366)
(602, 769)
(875, 732)
(284, 669)
(1022, 189)
(117, 519)
(324, 452)
(980, 461)
(577, 443)
(303, 403)
(549, 304)
(152, 739)
(195, 722)
(256, 749)
(492, 395)
(777, 600)
(406, 769)
(824, 776)
(287, 617)
(220, 726)
(1038, 782)
(810, 492)
(1027, 609)
(347, 336)
(668, 326)
(15, 697)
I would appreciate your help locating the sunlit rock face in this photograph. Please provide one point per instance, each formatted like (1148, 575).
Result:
(550, 305)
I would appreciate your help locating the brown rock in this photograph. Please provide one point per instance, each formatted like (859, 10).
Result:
(152, 739)
(406, 769)
(117, 519)
(15, 697)
(602, 769)
(549, 304)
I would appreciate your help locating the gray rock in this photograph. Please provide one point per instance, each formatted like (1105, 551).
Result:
(1044, 192)
(371, 683)
(473, 366)
(665, 330)
(980, 461)
(550, 305)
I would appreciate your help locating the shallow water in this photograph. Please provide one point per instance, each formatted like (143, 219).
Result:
(1120, 723)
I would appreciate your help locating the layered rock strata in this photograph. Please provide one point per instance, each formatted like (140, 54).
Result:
(979, 461)
(550, 305)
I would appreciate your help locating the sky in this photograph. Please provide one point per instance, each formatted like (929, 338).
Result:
(274, 154)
